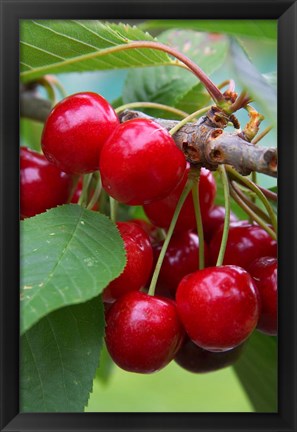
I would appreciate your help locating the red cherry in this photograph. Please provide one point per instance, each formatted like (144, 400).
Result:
(42, 185)
(139, 262)
(181, 258)
(140, 163)
(245, 243)
(197, 360)
(143, 333)
(77, 193)
(264, 273)
(218, 307)
(76, 130)
(161, 212)
(213, 220)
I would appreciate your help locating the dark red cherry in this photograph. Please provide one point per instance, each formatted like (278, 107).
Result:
(42, 185)
(76, 130)
(140, 163)
(218, 307)
(138, 266)
(181, 258)
(264, 273)
(143, 333)
(245, 243)
(198, 360)
(213, 220)
(161, 212)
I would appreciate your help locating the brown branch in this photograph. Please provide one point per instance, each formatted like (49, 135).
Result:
(33, 106)
(204, 142)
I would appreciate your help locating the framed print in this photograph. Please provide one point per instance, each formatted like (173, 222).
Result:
(148, 208)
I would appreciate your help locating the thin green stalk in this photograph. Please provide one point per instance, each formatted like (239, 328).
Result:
(196, 202)
(254, 180)
(47, 84)
(250, 203)
(73, 188)
(113, 209)
(251, 213)
(84, 193)
(189, 118)
(178, 208)
(225, 183)
(96, 195)
(151, 105)
(258, 192)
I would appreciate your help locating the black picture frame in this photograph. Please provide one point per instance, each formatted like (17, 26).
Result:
(286, 14)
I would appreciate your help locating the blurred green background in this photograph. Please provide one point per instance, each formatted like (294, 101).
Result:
(173, 389)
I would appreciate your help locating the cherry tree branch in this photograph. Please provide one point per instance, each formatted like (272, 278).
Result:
(204, 142)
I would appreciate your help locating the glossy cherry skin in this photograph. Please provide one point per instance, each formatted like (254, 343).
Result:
(139, 263)
(181, 258)
(213, 220)
(140, 163)
(245, 243)
(75, 131)
(218, 307)
(42, 185)
(161, 212)
(264, 273)
(197, 360)
(143, 333)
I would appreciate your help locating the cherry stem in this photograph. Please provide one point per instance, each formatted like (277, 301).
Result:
(84, 193)
(268, 193)
(250, 185)
(113, 209)
(48, 85)
(58, 86)
(182, 198)
(251, 205)
(199, 225)
(96, 194)
(189, 118)
(73, 188)
(225, 183)
(151, 105)
(251, 213)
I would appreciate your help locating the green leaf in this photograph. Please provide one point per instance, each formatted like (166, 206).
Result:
(56, 46)
(250, 28)
(195, 99)
(271, 78)
(30, 133)
(255, 84)
(104, 371)
(68, 256)
(176, 86)
(59, 357)
(257, 371)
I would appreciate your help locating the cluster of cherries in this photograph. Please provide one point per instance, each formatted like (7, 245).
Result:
(199, 318)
